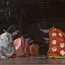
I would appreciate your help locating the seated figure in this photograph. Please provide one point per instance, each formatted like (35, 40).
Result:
(54, 39)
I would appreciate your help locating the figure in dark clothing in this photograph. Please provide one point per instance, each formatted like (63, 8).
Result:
(44, 27)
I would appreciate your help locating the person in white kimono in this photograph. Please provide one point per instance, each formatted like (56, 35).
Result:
(6, 42)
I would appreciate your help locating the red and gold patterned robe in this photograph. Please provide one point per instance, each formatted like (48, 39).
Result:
(57, 43)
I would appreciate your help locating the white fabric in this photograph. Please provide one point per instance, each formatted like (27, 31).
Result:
(6, 45)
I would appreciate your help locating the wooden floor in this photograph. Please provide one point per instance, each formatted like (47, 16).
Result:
(32, 61)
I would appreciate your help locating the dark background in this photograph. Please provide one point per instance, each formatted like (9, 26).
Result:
(28, 13)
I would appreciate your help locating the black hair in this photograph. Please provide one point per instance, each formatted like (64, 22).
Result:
(26, 35)
(12, 28)
(44, 25)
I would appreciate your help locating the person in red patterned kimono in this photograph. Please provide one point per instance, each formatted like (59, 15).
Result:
(57, 43)
(21, 45)
(54, 39)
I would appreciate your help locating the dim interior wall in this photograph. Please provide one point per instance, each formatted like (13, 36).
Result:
(35, 32)
(60, 25)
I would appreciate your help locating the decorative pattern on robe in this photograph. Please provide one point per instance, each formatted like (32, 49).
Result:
(57, 43)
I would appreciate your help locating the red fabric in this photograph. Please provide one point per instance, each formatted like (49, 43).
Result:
(59, 39)
(13, 56)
